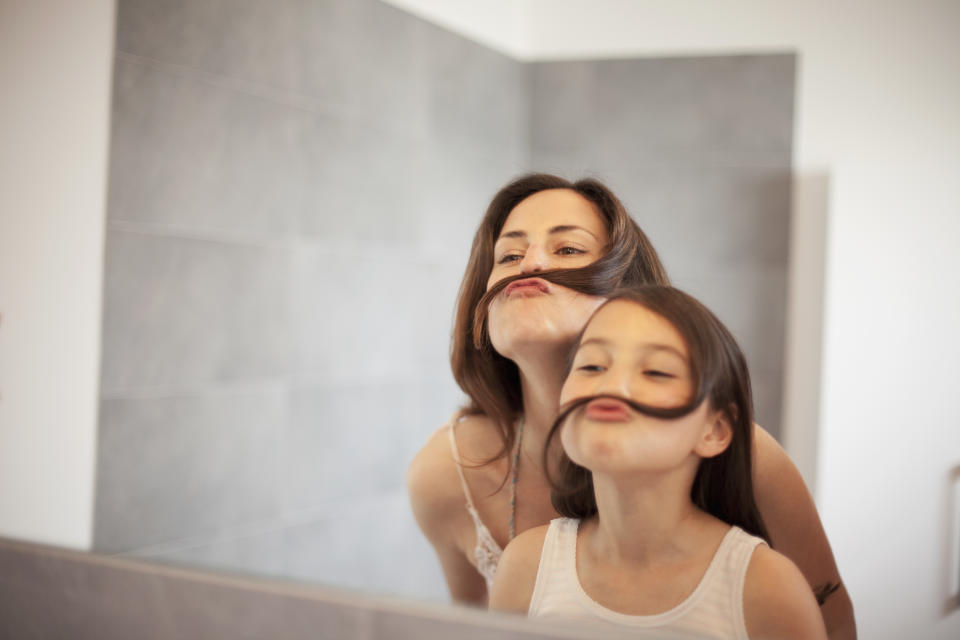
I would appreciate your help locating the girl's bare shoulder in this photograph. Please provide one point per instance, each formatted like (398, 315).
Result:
(516, 575)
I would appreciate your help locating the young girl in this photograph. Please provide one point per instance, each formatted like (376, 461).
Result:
(661, 531)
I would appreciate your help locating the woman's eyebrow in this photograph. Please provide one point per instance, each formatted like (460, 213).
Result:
(560, 228)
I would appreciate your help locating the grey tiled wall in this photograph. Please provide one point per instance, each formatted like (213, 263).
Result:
(699, 150)
(293, 190)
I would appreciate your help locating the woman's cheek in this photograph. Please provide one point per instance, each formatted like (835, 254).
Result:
(493, 322)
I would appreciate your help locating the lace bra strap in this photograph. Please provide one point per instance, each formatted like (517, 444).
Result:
(456, 460)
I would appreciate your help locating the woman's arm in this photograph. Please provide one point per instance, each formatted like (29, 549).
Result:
(438, 505)
(517, 572)
(795, 529)
(777, 602)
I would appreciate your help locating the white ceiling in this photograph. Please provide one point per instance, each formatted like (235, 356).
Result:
(565, 29)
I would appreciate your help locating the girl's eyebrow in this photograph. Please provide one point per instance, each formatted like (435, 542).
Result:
(649, 346)
(600, 342)
(560, 228)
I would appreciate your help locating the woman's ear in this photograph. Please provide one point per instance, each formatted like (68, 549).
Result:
(716, 436)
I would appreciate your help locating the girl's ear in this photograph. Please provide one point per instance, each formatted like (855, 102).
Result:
(716, 436)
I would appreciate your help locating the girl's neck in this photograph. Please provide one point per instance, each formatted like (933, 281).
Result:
(646, 518)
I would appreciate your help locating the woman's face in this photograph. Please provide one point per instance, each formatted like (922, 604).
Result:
(631, 352)
(556, 228)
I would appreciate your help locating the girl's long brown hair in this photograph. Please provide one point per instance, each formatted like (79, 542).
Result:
(491, 381)
(723, 485)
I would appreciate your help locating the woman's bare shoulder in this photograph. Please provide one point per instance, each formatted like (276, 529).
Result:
(478, 439)
(433, 480)
(777, 600)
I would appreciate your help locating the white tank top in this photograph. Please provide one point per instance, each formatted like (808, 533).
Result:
(713, 610)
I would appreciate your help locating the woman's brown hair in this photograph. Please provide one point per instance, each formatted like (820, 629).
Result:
(723, 485)
(491, 381)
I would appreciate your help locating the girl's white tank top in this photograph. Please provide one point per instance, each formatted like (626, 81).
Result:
(713, 610)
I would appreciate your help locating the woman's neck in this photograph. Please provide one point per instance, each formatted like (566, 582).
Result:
(540, 381)
(645, 518)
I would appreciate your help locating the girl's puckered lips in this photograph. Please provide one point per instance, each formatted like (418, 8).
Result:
(607, 410)
(527, 286)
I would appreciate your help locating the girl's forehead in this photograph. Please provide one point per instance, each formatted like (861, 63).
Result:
(629, 324)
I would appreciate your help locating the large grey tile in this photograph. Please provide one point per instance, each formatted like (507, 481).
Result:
(342, 442)
(363, 184)
(701, 219)
(189, 154)
(665, 110)
(365, 60)
(373, 545)
(243, 39)
(561, 112)
(361, 315)
(181, 467)
(182, 313)
(455, 186)
(375, 188)
(752, 306)
(478, 97)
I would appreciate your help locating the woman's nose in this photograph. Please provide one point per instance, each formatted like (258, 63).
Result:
(534, 259)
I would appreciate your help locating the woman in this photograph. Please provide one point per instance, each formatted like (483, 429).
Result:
(544, 255)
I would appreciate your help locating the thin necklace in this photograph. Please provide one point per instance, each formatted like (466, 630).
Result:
(513, 485)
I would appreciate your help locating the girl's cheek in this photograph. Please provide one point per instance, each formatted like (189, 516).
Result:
(566, 439)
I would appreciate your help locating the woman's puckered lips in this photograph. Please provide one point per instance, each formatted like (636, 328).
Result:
(527, 286)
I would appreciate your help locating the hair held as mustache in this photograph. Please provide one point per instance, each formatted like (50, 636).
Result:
(596, 279)
(663, 413)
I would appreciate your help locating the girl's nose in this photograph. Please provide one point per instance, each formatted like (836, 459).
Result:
(615, 382)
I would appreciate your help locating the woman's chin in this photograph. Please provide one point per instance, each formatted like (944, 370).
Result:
(521, 341)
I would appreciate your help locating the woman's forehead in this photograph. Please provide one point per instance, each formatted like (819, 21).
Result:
(551, 208)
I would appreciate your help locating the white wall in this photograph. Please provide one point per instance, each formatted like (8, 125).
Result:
(877, 155)
(55, 65)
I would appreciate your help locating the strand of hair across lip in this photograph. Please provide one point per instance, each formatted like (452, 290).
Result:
(595, 279)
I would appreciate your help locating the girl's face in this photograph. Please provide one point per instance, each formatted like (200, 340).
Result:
(552, 229)
(631, 352)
